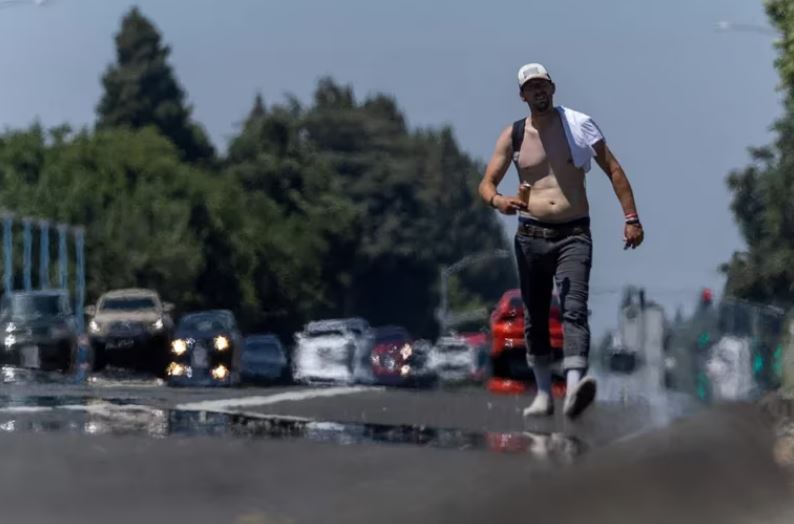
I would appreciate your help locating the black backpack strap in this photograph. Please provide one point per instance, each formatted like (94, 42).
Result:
(518, 138)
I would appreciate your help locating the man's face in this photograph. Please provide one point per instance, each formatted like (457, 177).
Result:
(538, 93)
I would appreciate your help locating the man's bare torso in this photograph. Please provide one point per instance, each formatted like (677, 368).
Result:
(558, 187)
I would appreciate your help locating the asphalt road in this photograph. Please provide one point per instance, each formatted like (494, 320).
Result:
(122, 450)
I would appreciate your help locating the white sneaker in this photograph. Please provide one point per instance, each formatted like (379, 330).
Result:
(543, 405)
(578, 399)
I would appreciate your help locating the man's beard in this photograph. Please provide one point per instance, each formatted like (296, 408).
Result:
(542, 106)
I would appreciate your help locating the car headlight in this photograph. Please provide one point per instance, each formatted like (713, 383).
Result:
(158, 324)
(10, 327)
(221, 343)
(179, 346)
(94, 327)
(406, 351)
(220, 372)
(10, 340)
(176, 370)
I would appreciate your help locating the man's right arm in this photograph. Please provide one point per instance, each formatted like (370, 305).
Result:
(495, 172)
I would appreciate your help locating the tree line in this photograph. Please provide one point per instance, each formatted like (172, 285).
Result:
(332, 207)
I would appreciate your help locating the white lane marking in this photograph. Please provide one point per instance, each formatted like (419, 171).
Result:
(291, 396)
(25, 409)
(105, 408)
(103, 382)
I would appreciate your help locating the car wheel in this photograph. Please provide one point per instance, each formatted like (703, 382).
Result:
(500, 366)
(100, 359)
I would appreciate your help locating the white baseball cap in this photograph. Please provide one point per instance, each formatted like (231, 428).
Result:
(530, 71)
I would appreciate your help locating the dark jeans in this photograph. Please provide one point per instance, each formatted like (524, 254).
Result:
(540, 262)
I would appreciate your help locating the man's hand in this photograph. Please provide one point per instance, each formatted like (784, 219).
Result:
(633, 236)
(508, 205)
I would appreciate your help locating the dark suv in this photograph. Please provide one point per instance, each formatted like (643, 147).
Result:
(39, 330)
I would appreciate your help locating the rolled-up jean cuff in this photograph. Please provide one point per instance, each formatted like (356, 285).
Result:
(541, 360)
(575, 362)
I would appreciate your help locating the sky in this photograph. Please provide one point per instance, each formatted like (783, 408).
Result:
(679, 101)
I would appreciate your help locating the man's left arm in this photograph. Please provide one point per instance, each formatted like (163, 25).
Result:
(620, 183)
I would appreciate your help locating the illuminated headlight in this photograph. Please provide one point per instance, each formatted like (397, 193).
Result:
(176, 370)
(405, 370)
(10, 327)
(10, 340)
(94, 327)
(220, 372)
(179, 346)
(406, 351)
(158, 324)
(221, 343)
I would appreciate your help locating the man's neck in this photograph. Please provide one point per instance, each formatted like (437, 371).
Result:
(543, 119)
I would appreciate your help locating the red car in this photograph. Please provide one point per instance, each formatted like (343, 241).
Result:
(509, 369)
(397, 360)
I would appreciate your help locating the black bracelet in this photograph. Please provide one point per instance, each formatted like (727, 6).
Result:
(490, 202)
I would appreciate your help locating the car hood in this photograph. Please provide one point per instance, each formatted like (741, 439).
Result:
(128, 316)
(451, 357)
(326, 341)
(192, 333)
(29, 323)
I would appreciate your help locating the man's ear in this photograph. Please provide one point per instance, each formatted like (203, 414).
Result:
(553, 88)
(521, 94)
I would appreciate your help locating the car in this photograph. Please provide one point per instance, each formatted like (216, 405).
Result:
(264, 359)
(398, 360)
(508, 348)
(40, 330)
(130, 328)
(333, 350)
(458, 358)
(206, 350)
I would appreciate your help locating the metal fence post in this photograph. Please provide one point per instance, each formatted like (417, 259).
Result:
(80, 276)
(8, 252)
(44, 254)
(27, 253)
(63, 257)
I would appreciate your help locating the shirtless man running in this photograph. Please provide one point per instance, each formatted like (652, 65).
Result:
(552, 149)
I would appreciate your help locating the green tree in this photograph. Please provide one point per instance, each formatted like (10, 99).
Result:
(141, 90)
(130, 190)
(417, 196)
(763, 192)
(304, 224)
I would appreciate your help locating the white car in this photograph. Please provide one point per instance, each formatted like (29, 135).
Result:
(335, 350)
(453, 359)
(730, 369)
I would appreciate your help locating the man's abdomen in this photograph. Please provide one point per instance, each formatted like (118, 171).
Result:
(556, 205)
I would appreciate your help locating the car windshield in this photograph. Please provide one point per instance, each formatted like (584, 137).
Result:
(325, 333)
(127, 304)
(262, 349)
(453, 348)
(32, 306)
(516, 303)
(202, 323)
(393, 338)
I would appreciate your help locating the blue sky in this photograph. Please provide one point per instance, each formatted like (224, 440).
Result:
(678, 101)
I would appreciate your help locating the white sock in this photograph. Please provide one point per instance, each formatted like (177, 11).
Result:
(541, 405)
(542, 378)
(572, 378)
